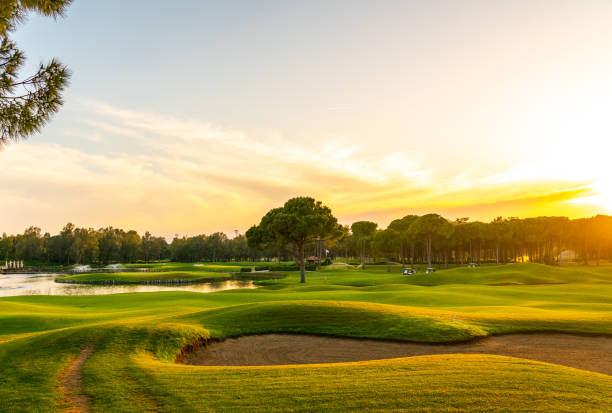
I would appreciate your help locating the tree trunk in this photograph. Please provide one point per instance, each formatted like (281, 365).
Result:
(363, 254)
(429, 253)
(319, 255)
(302, 265)
(471, 255)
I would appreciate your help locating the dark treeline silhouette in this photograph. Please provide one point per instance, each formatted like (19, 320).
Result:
(112, 245)
(433, 239)
(215, 247)
(412, 239)
(83, 245)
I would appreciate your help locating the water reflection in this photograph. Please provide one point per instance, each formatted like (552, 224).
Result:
(43, 284)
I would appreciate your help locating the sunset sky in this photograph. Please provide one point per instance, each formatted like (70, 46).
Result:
(190, 117)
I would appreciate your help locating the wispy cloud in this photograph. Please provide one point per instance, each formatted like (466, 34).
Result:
(187, 176)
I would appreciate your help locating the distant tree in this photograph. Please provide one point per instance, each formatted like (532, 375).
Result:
(337, 243)
(85, 248)
(160, 249)
(27, 104)
(239, 249)
(498, 233)
(402, 226)
(217, 247)
(427, 228)
(130, 246)
(67, 239)
(386, 243)
(147, 246)
(300, 221)
(109, 244)
(7, 247)
(471, 234)
(30, 245)
(363, 231)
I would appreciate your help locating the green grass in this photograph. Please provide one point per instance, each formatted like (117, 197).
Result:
(139, 335)
(469, 383)
(140, 277)
(200, 266)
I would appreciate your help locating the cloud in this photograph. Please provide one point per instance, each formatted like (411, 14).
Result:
(172, 175)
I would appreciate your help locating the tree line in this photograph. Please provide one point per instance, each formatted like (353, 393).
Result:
(305, 226)
(412, 239)
(433, 239)
(75, 245)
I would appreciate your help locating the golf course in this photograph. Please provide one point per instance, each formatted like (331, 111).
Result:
(305, 206)
(349, 339)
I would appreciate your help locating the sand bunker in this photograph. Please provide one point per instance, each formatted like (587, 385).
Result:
(592, 353)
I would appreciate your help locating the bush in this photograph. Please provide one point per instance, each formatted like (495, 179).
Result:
(245, 269)
(262, 268)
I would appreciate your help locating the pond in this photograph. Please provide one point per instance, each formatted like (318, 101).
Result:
(43, 284)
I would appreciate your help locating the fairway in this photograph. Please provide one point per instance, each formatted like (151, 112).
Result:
(131, 342)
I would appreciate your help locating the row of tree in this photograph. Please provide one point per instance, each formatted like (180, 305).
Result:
(304, 227)
(216, 247)
(112, 245)
(83, 245)
(431, 238)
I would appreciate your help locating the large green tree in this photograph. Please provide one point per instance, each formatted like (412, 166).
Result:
(300, 221)
(27, 104)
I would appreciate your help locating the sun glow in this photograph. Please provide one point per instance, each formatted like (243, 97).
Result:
(601, 198)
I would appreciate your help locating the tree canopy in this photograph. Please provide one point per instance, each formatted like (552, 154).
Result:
(27, 104)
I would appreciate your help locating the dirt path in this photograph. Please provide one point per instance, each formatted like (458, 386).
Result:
(71, 384)
(592, 353)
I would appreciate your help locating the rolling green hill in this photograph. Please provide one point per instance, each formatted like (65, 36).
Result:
(138, 336)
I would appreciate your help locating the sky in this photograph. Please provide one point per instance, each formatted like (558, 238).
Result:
(200, 116)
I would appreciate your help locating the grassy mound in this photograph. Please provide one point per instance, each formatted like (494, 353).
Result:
(338, 318)
(420, 384)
